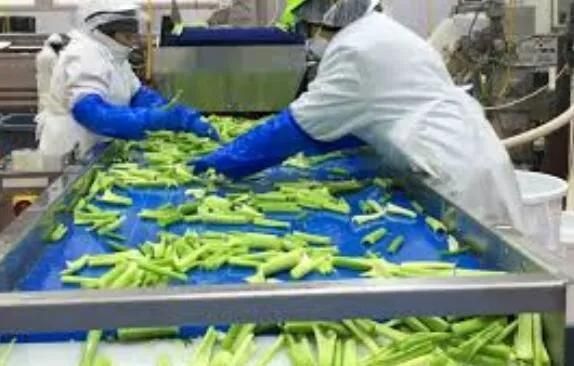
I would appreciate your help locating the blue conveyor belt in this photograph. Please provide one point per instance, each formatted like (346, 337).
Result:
(421, 243)
(234, 36)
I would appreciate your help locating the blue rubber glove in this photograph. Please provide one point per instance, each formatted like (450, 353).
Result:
(268, 145)
(147, 97)
(194, 122)
(130, 123)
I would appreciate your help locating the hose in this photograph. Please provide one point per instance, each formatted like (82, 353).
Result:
(541, 131)
(526, 97)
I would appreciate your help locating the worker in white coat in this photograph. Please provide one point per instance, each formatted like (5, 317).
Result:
(45, 61)
(94, 92)
(381, 84)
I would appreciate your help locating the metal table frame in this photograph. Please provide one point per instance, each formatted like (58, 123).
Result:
(539, 283)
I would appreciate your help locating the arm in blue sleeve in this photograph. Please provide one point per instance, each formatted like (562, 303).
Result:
(129, 123)
(268, 145)
(147, 97)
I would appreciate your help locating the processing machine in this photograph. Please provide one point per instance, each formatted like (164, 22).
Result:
(516, 55)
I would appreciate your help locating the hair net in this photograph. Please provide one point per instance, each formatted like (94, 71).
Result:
(94, 13)
(313, 11)
(345, 12)
(55, 39)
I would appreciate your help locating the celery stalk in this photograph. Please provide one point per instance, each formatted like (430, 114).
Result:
(139, 334)
(204, 351)
(374, 237)
(90, 348)
(523, 345)
(243, 350)
(270, 353)
(509, 330)
(396, 245)
(415, 324)
(361, 336)
(350, 352)
(541, 357)
(326, 343)
(6, 353)
(164, 360)
(281, 263)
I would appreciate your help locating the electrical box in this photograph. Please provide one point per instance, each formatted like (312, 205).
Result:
(538, 51)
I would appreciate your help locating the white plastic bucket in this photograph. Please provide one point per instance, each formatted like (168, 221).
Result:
(542, 196)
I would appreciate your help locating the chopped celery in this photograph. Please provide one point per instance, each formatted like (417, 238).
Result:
(326, 343)
(57, 233)
(523, 344)
(400, 211)
(312, 238)
(139, 334)
(90, 348)
(271, 223)
(374, 237)
(362, 336)
(281, 263)
(435, 225)
(6, 353)
(396, 245)
(112, 198)
(272, 351)
(350, 352)
(243, 350)
(164, 360)
(541, 357)
(204, 351)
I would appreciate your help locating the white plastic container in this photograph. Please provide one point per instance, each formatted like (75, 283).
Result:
(27, 160)
(543, 196)
(567, 232)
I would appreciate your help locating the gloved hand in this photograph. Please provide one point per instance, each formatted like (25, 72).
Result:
(130, 123)
(268, 145)
(147, 97)
(192, 121)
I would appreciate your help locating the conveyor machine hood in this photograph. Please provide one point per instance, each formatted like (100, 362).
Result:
(231, 70)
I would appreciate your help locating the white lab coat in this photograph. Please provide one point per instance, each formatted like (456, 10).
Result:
(45, 61)
(387, 86)
(91, 64)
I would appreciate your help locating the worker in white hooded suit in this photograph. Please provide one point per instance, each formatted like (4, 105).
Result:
(94, 92)
(380, 84)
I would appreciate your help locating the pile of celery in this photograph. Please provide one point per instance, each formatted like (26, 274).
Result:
(292, 255)
(411, 341)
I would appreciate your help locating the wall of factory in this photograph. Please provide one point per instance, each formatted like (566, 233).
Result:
(419, 15)
(62, 21)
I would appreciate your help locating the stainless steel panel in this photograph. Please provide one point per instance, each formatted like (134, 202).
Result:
(280, 302)
(232, 79)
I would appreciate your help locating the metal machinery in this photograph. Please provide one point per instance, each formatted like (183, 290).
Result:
(231, 70)
(516, 56)
(536, 282)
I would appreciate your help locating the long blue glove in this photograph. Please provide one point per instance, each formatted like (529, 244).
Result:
(268, 145)
(147, 97)
(129, 123)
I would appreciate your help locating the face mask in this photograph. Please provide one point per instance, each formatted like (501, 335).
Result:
(318, 46)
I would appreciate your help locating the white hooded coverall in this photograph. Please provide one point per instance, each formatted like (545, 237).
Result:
(91, 64)
(385, 85)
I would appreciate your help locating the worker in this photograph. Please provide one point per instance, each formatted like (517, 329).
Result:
(94, 92)
(304, 16)
(381, 84)
(240, 13)
(45, 62)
